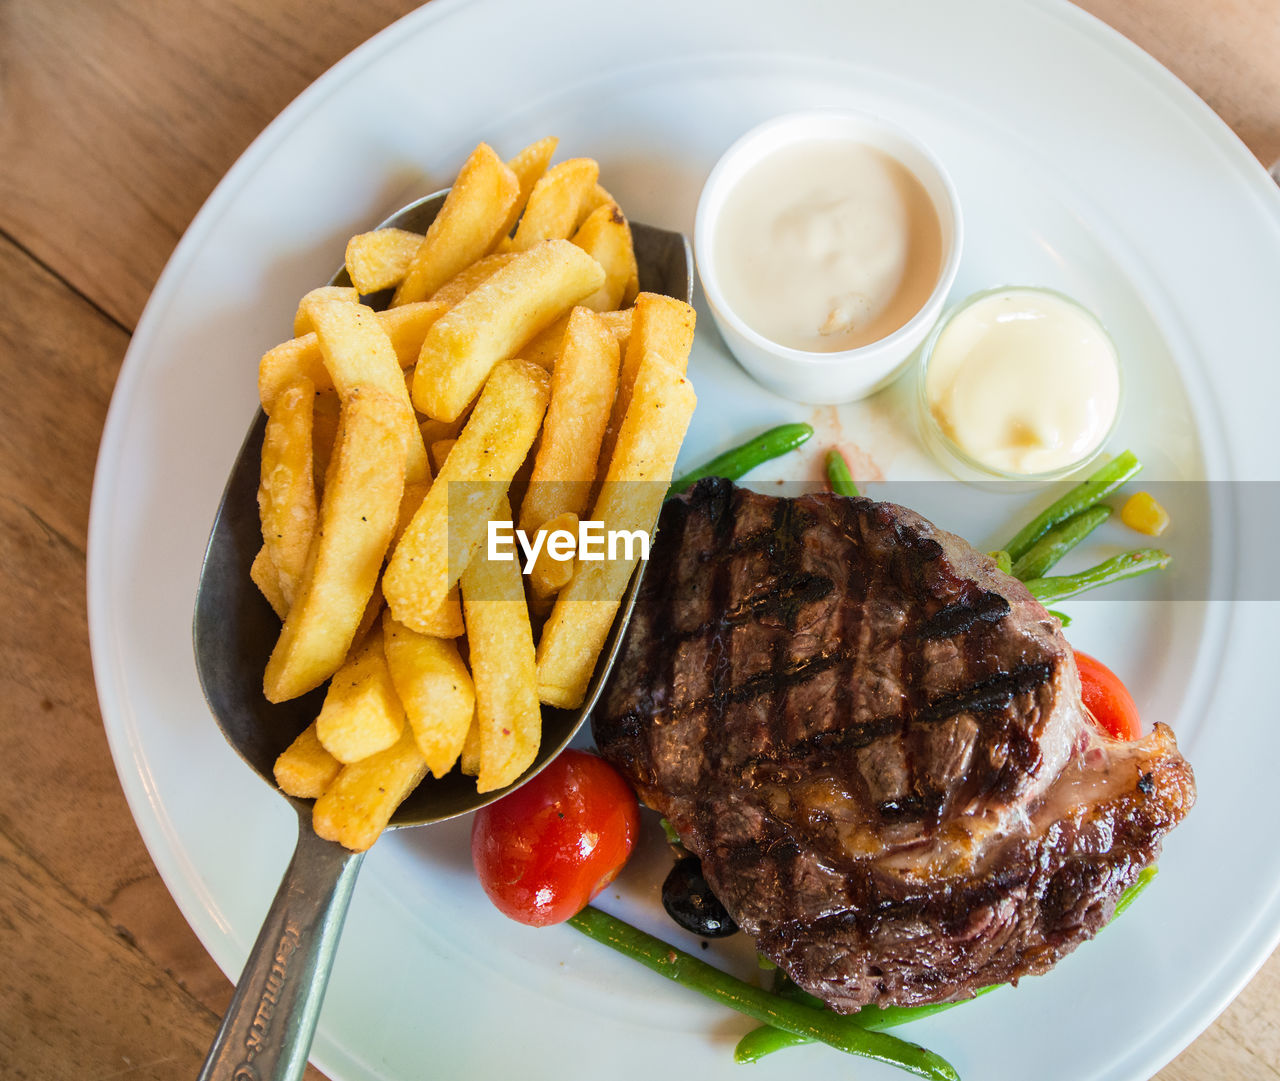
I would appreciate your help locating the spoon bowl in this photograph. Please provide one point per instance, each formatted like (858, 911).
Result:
(268, 1027)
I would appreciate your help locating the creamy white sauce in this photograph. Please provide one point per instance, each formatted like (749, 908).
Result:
(1024, 381)
(827, 245)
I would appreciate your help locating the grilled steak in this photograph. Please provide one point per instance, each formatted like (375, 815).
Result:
(875, 742)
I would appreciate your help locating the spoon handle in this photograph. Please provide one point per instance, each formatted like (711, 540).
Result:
(266, 1033)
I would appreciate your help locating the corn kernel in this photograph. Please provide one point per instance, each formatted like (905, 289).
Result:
(1143, 513)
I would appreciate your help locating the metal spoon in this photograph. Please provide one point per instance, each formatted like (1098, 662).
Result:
(267, 1031)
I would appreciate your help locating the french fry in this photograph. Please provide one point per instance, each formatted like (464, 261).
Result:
(591, 202)
(539, 608)
(469, 277)
(440, 452)
(554, 203)
(528, 165)
(660, 325)
(302, 317)
(324, 435)
(433, 431)
(469, 762)
(495, 319)
(630, 499)
(305, 769)
(551, 574)
(414, 493)
(544, 348)
(583, 384)
(445, 621)
(520, 482)
(619, 325)
(287, 489)
(357, 806)
(362, 714)
(503, 665)
(445, 532)
(357, 352)
(434, 687)
(363, 488)
(606, 237)
(532, 162)
(263, 574)
(372, 610)
(468, 224)
(380, 259)
(301, 358)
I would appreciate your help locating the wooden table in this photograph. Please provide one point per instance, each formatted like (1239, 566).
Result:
(117, 118)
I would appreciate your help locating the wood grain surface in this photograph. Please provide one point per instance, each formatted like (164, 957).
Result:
(117, 118)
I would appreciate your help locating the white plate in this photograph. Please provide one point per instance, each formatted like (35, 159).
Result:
(1081, 164)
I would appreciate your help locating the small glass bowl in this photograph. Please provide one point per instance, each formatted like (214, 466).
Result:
(963, 465)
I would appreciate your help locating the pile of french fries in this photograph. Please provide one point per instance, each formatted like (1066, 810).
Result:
(515, 349)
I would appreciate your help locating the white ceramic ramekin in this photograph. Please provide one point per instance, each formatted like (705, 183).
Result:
(825, 378)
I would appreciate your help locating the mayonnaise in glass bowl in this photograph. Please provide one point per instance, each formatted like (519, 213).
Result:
(1018, 383)
(838, 305)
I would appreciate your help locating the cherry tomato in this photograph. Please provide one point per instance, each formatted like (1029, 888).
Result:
(544, 851)
(1108, 699)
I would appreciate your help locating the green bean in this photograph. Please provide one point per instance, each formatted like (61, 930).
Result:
(1050, 548)
(1131, 894)
(877, 1018)
(765, 1040)
(1084, 495)
(763, 1005)
(673, 838)
(1062, 617)
(838, 475)
(1003, 562)
(1116, 569)
(739, 461)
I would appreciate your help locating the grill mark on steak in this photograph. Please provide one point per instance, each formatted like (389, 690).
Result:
(859, 585)
(996, 693)
(784, 601)
(721, 652)
(875, 743)
(957, 618)
(791, 594)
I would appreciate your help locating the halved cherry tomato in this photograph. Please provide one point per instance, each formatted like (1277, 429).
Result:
(544, 851)
(1108, 699)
